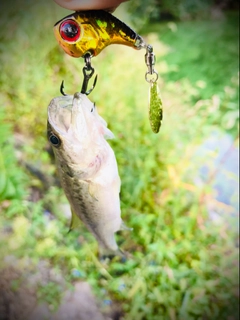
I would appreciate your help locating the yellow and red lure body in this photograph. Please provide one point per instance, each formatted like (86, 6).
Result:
(91, 31)
(86, 33)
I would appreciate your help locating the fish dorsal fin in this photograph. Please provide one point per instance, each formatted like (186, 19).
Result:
(75, 221)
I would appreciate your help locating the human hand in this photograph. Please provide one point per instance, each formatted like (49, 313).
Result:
(81, 5)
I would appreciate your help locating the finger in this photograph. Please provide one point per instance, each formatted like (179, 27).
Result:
(79, 5)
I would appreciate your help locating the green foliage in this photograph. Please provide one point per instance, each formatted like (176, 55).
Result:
(51, 294)
(143, 13)
(207, 57)
(185, 9)
(211, 50)
(11, 176)
(181, 265)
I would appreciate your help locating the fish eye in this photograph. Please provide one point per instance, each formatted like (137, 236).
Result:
(70, 30)
(55, 141)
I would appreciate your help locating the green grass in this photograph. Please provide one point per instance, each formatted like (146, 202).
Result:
(204, 51)
(206, 54)
(181, 265)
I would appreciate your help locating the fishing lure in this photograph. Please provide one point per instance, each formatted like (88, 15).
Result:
(92, 31)
(155, 108)
(86, 33)
(155, 102)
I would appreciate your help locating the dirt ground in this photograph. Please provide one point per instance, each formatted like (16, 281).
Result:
(19, 301)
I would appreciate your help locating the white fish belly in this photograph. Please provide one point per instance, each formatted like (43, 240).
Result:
(96, 202)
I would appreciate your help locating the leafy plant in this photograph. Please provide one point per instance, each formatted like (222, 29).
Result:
(181, 264)
(12, 177)
(144, 13)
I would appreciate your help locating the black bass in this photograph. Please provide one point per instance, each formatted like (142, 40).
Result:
(91, 31)
(87, 166)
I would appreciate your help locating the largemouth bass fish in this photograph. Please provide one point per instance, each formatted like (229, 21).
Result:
(91, 31)
(87, 167)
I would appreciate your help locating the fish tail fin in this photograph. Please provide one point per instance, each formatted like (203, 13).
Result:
(110, 254)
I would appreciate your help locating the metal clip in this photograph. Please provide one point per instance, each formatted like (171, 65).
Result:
(150, 62)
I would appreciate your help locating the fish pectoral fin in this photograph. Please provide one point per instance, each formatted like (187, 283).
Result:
(108, 134)
(92, 190)
(75, 221)
(124, 227)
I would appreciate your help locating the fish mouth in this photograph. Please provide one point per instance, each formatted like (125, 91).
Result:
(67, 114)
(60, 114)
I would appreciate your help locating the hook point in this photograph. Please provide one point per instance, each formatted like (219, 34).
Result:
(62, 89)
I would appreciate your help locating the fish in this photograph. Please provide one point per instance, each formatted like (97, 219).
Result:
(91, 31)
(87, 167)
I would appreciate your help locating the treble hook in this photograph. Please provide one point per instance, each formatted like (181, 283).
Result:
(88, 72)
(61, 89)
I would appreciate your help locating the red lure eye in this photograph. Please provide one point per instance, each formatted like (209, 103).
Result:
(70, 30)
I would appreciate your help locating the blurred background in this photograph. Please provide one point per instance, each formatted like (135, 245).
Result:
(179, 187)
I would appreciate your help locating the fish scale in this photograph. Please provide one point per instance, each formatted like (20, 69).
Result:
(83, 204)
